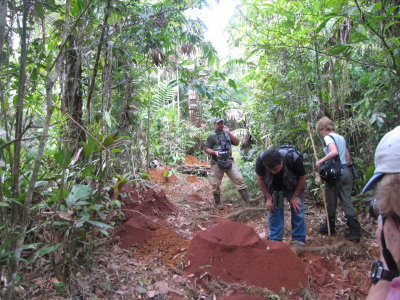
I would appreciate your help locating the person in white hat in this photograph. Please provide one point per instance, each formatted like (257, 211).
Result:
(385, 275)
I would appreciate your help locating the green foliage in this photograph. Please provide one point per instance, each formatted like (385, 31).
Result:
(320, 58)
(172, 138)
(164, 95)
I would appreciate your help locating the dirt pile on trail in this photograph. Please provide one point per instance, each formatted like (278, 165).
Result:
(142, 209)
(191, 160)
(241, 297)
(234, 253)
(166, 175)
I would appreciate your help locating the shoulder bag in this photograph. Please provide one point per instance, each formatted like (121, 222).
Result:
(331, 170)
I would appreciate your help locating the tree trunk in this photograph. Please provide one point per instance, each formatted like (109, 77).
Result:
(24, 220)
(319, 82)
(194, 107)
(333, 91)
(3, 15)
(105, 107)
(73, 91)
(96, 63)
(16, 164)
(3, 19)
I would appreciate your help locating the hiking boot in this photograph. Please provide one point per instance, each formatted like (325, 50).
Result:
(298, 247)
(245, 196)
(297, 243)
(217, 201)
(354, 233)
(323, 228)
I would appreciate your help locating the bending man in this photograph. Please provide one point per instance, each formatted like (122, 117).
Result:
(281, 175)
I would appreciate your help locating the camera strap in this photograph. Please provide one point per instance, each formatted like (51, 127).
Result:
(226, 140)
(387, 255)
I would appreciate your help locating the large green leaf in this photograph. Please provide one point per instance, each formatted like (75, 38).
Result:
(324, 22)
(335, 50)
(77, 192)
(62, 155)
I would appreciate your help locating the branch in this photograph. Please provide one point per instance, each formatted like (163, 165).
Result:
(68, 36)
(18, 139)
(96, 63)
(382, 38)
(318, 249)
(283, 45)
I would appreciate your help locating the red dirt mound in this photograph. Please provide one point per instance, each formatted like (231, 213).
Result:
(191, 160)
(234, 253)
(135, 231)
(241, 297)
(166, 245)
(141, 207)
(195, 197)
(192, 179)
(153, 204)
(159, 176)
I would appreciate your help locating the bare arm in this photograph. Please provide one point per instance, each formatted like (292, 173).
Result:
(300, 185)
(379, 290)
(392, 238)
(333, 152)
(295, 201)
(263, 187)
(235, 141)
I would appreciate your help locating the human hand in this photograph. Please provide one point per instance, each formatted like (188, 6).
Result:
(270, 205)
(318, 164)
(392, 239)
(226, 129)
(296, 203)
(216, 153)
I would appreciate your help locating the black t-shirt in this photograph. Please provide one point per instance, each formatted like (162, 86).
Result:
(277, 183)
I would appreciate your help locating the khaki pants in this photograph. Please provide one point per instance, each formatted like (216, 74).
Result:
(216, 175)
(341, 189)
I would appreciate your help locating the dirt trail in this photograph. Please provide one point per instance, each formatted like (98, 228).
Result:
(168, 232)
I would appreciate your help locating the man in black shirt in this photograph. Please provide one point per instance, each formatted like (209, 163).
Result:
(281, 174)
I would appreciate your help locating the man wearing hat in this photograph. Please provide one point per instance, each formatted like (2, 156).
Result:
(219, 147)
(385, 275)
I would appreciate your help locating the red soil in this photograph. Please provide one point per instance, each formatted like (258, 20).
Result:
(234, 253)
(195, 197)
(192, 179)
(159, 176)
(191, 160)
(241, 297)
(165, 245)
(141, 207)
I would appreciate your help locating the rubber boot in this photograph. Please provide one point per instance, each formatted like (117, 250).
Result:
(323, 228)
(217, 201)
(245, 196)
(354, 233)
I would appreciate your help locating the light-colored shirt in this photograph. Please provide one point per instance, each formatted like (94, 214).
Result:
(340, 144)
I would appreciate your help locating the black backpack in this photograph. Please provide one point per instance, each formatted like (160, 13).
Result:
(290, 153)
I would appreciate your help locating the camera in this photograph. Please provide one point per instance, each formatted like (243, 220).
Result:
(373, 209)
(223, 153)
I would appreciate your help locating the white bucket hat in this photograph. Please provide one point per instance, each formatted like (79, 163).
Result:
(387, 157)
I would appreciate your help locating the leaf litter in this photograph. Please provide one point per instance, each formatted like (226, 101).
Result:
(153, 268)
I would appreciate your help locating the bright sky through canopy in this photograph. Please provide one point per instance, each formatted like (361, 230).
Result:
(216, 17)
